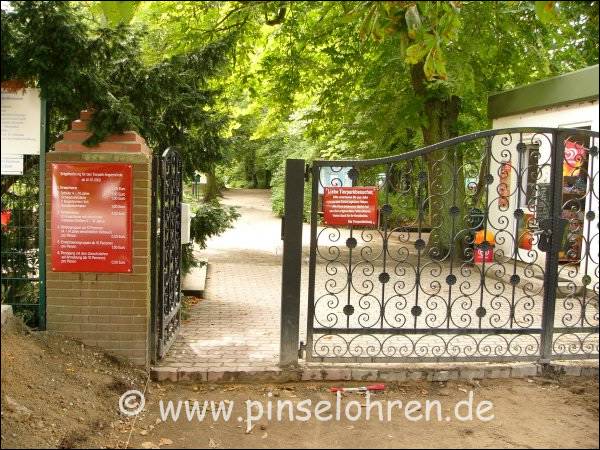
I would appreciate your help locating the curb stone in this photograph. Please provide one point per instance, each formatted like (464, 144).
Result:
(372, 374)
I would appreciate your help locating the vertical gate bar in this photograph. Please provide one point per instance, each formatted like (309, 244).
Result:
(588, 238)
(423, 179)
(516, 238)
(153, 262)
(162, 189)
(312, 268)
(349, 278)
(292, 262)
(178, 293)
(385, 217)
(42, 219)
(455, 179)
(161, 254)
(486, 222)
(549, 307)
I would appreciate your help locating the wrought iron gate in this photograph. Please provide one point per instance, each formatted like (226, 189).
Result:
(486, 249)
(166, 250)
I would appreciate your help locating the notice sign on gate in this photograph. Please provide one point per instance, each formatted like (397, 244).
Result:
(91, 217)
(350, 206)
(21, 122)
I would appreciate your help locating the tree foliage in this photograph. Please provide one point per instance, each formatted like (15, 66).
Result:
(247, 84)
(78, 64)
(376, 78)
(92, 56)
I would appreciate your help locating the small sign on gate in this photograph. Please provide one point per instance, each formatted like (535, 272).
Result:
(12, 165)
(21, 119)
(357, 206)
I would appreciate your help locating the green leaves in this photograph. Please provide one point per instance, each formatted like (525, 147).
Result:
(435, 65)
(546, 12)
(430, 51)
(118, 12)
(416, 52)
(79, 65)
(211, 219)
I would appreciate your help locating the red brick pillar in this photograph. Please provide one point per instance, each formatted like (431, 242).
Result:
(108, 310)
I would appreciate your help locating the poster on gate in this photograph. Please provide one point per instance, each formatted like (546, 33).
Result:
(575, 155)
(21, 121)
(350, 206)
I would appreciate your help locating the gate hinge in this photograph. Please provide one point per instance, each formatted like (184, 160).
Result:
(301, 350)
(307, 172)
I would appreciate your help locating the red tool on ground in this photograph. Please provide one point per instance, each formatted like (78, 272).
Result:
(371, 387)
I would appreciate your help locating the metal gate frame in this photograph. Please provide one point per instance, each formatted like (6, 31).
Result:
(546, 334)
(39, 308)
(167, 191)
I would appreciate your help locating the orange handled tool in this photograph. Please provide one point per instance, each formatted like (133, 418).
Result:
(371, 387)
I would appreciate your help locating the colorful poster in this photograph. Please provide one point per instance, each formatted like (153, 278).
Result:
(574, 157)
(504, 185)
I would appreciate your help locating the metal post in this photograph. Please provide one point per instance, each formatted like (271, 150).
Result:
(42, 219)
(312, 267)
(154, 306)
(551, 283)
(292, 262)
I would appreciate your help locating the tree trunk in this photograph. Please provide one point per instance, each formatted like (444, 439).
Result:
(212, 187)
(446, 185)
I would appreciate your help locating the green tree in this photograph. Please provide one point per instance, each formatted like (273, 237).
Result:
(377, 78)
(79, 62)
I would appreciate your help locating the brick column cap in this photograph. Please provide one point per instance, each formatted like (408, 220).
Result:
(72, 141)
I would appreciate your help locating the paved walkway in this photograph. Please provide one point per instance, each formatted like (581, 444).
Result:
(236, 326)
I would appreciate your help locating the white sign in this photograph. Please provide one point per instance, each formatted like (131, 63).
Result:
(21, 122)
(334, 177)
(12, 165)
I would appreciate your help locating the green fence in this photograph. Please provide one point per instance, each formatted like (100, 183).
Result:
(23, 242)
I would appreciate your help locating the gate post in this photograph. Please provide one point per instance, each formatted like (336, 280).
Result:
(87, 298)
(292, 262)
(551, 269)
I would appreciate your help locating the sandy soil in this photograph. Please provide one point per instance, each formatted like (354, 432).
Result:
(58, 393)
(530, 414)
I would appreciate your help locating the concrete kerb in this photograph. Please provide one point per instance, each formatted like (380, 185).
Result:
(389, 373)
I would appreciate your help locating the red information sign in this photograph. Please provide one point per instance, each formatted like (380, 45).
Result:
(350, 206)
(91, 217)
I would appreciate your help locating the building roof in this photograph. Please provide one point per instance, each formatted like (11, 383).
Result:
(572, 87)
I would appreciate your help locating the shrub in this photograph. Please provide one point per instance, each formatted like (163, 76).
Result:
(211, 219)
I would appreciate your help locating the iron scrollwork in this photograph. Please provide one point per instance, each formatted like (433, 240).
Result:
(169, 298)
(455, 269)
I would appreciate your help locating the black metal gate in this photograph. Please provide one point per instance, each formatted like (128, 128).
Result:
(166, 250)
(486, 248)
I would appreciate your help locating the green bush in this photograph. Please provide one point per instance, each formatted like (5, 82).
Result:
(211, 219)
(278, 194)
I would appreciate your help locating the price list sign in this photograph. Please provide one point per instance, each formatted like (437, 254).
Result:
(91, 217)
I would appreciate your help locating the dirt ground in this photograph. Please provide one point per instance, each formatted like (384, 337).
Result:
(59, 393)
(528, 414)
